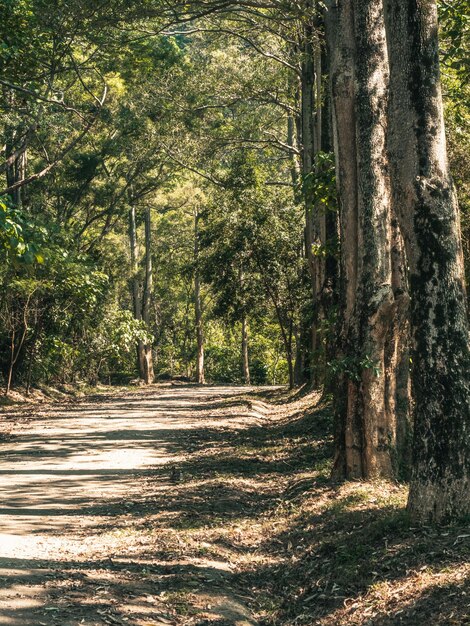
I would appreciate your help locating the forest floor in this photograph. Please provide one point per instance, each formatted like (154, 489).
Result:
(184, 505)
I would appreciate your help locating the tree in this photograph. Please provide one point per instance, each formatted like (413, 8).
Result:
(371, 421)
(200, 377)
(425, 198)
(171, 185)
(254, 254)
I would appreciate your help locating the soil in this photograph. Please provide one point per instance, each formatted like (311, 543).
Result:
(179, 505)
(76, 478)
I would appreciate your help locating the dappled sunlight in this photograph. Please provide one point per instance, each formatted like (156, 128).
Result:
(422, 595)
(200, 511)
(78, 481)
(85, 459)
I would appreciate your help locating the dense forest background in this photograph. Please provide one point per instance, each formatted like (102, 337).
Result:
(196, 129)
(178, 182)
(184, 134)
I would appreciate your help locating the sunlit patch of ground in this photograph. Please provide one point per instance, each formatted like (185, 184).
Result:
(199, 506)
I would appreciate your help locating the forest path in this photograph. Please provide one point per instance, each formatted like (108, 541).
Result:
(96, 520)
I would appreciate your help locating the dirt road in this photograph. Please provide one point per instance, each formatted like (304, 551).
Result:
(94, 511)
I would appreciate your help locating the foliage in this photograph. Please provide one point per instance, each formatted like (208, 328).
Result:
(322, 182)
(122, 107)
(353, 367)
(455, 37)
(19, 238)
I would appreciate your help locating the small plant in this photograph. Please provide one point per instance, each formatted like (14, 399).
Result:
(353, 367)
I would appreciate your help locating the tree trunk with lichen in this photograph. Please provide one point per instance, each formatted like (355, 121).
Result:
(367, 417)
(375, 298)
(426, 202)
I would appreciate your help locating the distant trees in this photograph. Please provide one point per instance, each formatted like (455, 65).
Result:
(252, 256)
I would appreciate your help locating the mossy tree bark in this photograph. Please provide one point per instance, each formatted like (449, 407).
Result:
(424, 195)
(367, 416)
(375, 297)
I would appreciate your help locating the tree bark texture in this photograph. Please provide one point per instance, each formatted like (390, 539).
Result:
(427, 208)
(371, 331)
(340, 37)
(375, 298)
(315, 139)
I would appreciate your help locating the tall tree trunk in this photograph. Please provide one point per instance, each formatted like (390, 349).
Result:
(245, 355)
(16, 169)
(316, 138)
(366, 421)
(200, 378)
(15, 153)
(319, 243)
(136, 286)
(299, 362)
(375, 298)
(286, 334)
(303, 337)
(397, 357)
(319, 217)
(294, 166)
(149, 375)
(326, 217)
(20, 174)
(11, 364)
(426, 203)
(307, 102)
(341, 43)
(309, 137)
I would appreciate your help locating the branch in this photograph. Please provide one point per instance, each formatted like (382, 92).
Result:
(19, 151)
(185, 166)
(250, 42)
(65, 151)
(38, 96)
